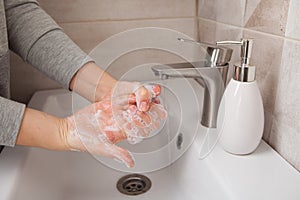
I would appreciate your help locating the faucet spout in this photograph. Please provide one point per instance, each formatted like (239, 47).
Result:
(212, 78)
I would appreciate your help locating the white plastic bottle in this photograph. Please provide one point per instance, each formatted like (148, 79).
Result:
(241, 115)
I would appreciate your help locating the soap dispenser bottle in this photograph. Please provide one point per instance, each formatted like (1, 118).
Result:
(241, 115)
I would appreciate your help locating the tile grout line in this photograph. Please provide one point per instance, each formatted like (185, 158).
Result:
(196, 22)
(250, 30)
(124, 20)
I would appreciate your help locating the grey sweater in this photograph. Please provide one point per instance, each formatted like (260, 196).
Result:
(28, 31)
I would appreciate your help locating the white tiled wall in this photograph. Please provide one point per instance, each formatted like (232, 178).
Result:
(274, 24)
(268, 16)
(285, 135)
(224, 11)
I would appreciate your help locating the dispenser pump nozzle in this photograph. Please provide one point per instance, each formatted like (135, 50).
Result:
(243, 72)
(246, 50)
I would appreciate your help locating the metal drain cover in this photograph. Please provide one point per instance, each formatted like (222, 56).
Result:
(133, 184)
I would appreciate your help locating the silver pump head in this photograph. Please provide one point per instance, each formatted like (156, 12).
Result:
(243, 71)
(217, 55)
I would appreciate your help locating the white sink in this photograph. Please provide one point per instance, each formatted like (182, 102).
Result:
(35, 174)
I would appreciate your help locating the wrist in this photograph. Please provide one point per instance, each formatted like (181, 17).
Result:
(63, 131)
(42, 130)
(70, 135)
(92, 82)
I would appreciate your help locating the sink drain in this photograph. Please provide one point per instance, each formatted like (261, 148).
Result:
(133, 184)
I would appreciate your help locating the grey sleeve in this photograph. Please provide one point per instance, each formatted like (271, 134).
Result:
(11, 118)
(35, 36)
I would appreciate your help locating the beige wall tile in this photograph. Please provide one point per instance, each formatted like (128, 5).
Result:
(293, 25)
(288, 95)
(266, 56)
(285, 140)
(207, 9)
(89, 35)
(25, 80)
(285, 135)
(207, 30)
(250, 8)
(129, 64)
(268, 16)
(92, 10)
(225, 11)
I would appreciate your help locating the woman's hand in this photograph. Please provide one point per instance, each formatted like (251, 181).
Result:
(123, 110)
(98, 127)
(94, 84)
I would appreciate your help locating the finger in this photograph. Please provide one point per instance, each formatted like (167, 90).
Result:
(143, 133)
(130, 131)
(104, 118)
(105, 110)
(132, 99)
(143, 99)
(140, 119)
(122, 155)
(124, 101)
(112, 151)
(156, 101)
(104, 105)
(155, 89)
(134, 140)
(109, 126)
(154, 125)
(107, 96)
(114, 134)
(157, 110)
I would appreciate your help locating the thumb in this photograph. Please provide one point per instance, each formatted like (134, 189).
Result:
(145, 94)
(122, 155)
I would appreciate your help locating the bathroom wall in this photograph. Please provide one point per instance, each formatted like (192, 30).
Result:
(274, 24)
(90, 22)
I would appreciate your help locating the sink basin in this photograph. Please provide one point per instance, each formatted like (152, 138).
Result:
(35, 174)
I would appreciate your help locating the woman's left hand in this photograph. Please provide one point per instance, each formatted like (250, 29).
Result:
(94, 84)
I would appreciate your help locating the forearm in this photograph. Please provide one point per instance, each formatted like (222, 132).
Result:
(35, 36)
(42, 130)
(92, 82)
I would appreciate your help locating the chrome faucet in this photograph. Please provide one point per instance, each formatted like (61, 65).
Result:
(210, 74)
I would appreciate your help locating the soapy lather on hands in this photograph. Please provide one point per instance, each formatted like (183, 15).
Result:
(121, 114)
